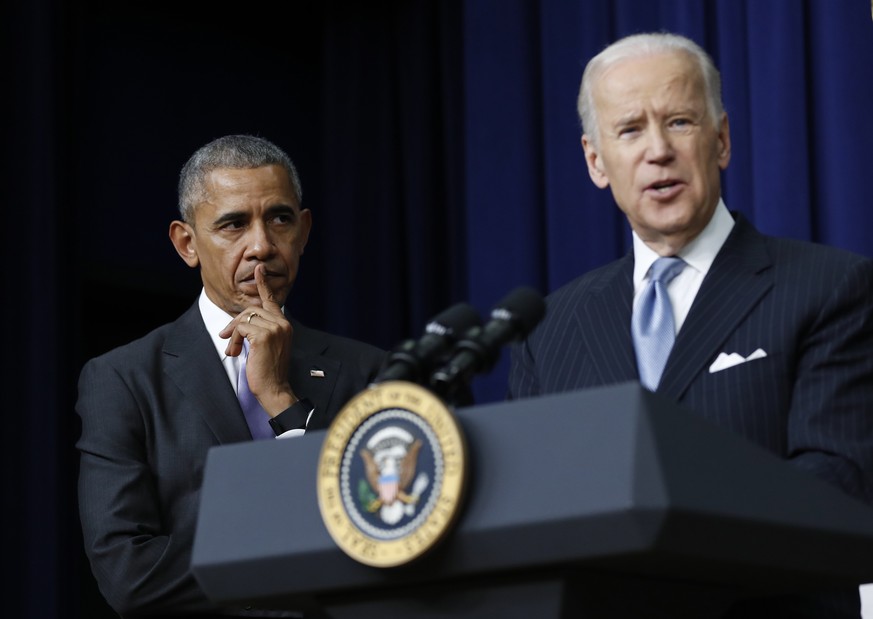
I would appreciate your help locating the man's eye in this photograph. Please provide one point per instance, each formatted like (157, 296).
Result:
(232, 225)
(283, 219)
(680, 122)
(627, 132)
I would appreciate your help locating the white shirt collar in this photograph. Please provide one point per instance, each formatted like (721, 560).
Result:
(699, 253)
(215, 319)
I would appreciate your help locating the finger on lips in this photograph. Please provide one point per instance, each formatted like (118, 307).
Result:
(252, 319)
(264, 290)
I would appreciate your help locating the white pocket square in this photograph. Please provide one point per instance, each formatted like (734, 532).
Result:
(725, 361)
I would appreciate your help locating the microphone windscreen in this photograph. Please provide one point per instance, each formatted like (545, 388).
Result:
(524, 306)
(454, 320)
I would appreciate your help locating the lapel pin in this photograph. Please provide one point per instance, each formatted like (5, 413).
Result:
(316, 373)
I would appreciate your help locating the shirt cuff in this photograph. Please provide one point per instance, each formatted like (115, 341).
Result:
(295, 417)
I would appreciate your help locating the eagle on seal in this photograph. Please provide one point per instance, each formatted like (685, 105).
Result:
(390, 476)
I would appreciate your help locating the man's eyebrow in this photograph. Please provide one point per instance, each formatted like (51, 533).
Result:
(281, 209)
(627, 119)
(230, 217)
(271, 211)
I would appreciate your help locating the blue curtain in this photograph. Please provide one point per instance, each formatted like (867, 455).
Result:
(798, 89)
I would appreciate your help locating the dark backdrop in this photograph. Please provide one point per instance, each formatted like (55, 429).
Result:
(439, 151)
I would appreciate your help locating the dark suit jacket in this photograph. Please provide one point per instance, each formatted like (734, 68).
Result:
(809, 307)
(150, 412)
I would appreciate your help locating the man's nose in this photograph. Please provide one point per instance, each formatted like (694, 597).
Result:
(659, 148)
(260, 243)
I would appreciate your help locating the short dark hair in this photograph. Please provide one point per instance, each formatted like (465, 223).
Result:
(234, 152)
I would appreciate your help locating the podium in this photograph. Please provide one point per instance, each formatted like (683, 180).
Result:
(594, 503)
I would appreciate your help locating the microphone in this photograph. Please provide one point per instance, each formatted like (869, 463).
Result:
(414, 360)
(477, 351)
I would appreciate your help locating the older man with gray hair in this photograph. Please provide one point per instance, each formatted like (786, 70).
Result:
(769, 338)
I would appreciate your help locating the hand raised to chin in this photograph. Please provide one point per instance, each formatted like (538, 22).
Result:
(269, 336)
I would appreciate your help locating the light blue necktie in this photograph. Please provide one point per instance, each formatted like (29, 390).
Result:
(652, 323)
(256, 416)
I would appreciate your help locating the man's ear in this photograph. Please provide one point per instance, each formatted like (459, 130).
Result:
(305, 227)
(183, 239)
(595, 164)
(724, 142)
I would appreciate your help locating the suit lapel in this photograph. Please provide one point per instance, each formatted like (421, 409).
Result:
(193, 365)
(313, 375)
(739, 278)
(605, 317)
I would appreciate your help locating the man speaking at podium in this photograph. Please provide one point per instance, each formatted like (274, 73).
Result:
(769, 338)
(232, 368)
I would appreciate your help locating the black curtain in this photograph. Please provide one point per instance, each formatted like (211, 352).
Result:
(38, 536)
(103, 103)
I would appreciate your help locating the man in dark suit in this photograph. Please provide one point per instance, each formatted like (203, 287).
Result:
(773, 338)
(151, 410)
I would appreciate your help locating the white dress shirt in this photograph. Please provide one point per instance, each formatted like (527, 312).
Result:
(698, 255)
(217, 319)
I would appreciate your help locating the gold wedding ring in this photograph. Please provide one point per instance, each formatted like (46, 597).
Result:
(252, 315)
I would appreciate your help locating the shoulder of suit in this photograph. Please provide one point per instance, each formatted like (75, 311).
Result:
(819, 257)
(800, 250)
(152, 343)
(322, 341)
(591, 281)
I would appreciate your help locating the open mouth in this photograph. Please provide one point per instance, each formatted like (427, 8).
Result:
(663, 186)
(664, 190)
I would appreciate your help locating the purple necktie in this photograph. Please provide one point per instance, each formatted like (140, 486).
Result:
(256, 416)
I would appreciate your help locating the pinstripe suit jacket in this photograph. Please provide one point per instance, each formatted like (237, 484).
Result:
(151, 410)
(809, 307)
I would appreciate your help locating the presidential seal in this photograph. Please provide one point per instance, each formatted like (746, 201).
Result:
(391, 474)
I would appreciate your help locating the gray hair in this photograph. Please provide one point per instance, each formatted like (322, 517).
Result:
(231, 151)
(646, 44)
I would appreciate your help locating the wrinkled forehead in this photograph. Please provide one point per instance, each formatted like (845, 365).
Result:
(666, 77)
(238, 185)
